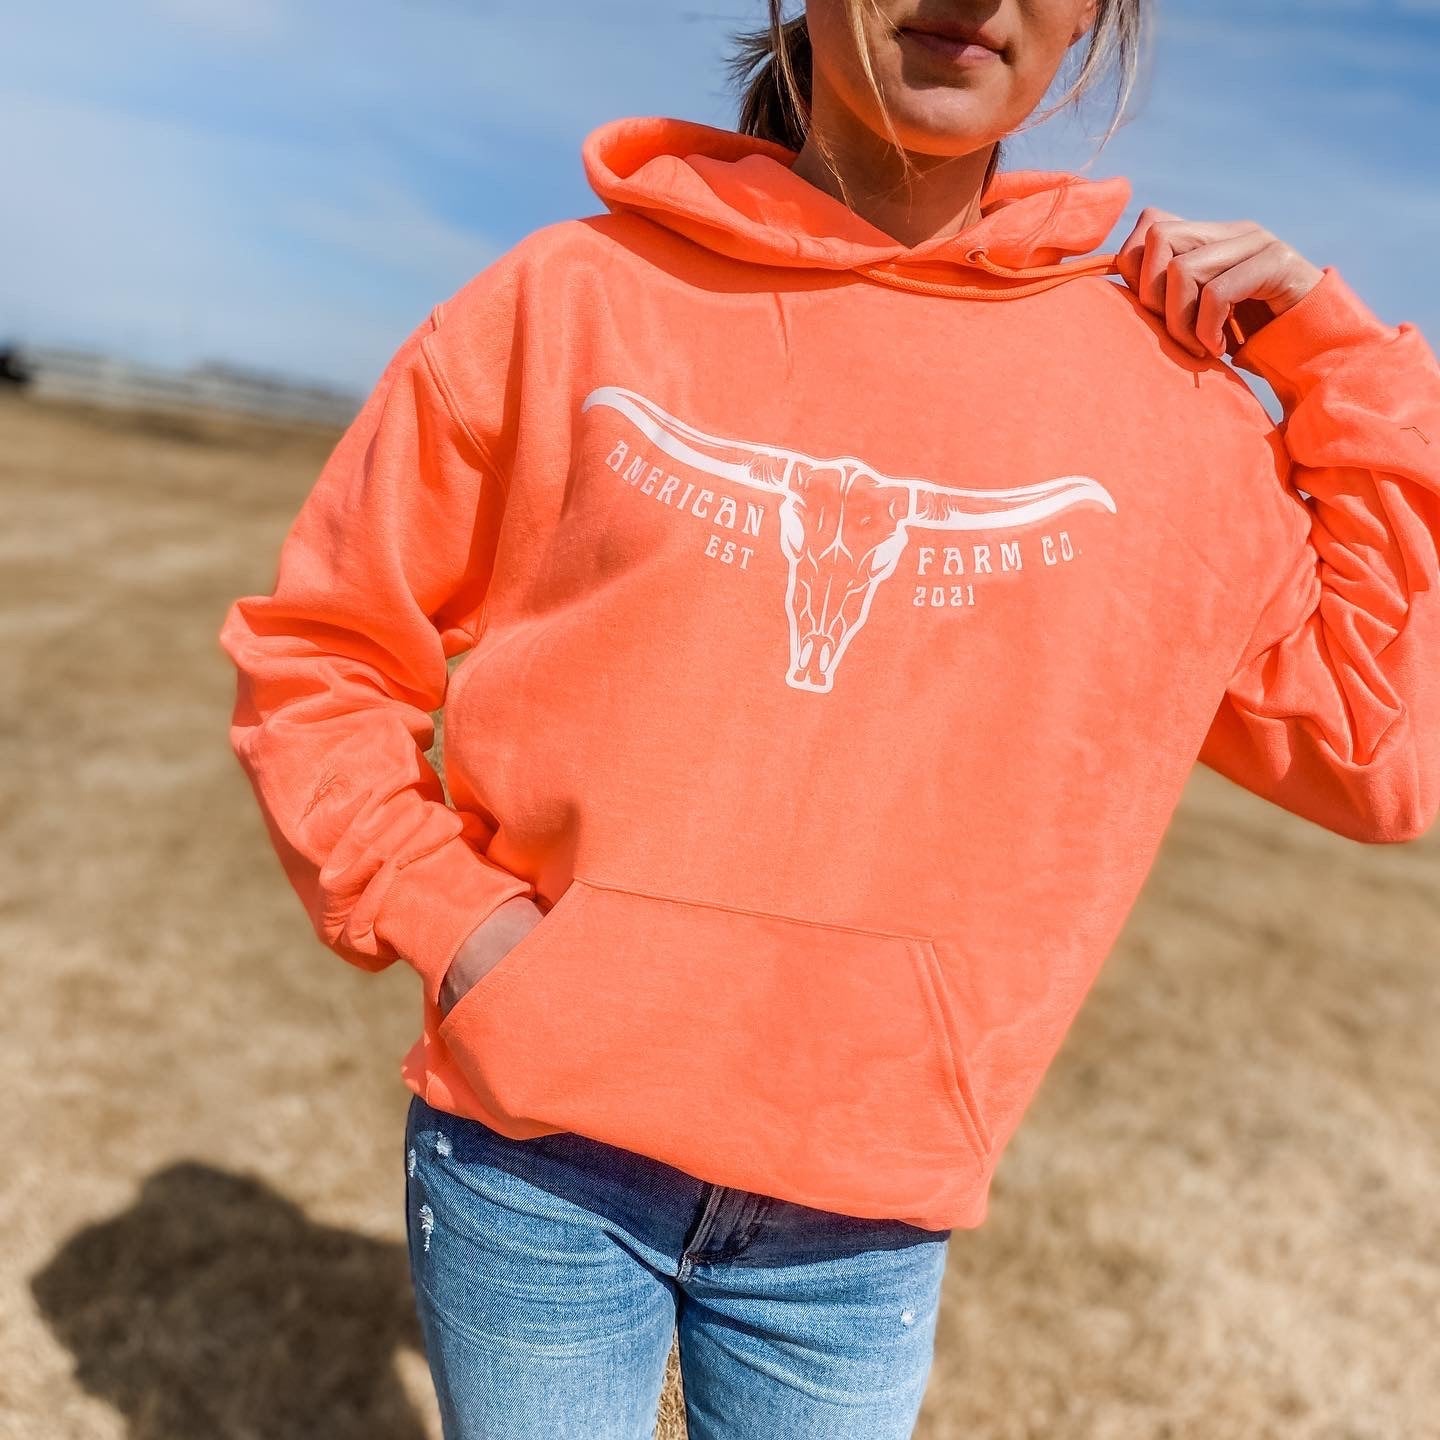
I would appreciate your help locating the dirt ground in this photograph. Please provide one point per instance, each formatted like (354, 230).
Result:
(1219, 1219)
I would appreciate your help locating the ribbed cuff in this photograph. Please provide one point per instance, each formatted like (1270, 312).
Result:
(1299, 347)
(435, 902)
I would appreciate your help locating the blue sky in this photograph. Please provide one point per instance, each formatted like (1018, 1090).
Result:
(293, 185)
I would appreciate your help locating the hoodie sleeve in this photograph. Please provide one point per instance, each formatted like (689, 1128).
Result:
(380, 579)
(1333, 712)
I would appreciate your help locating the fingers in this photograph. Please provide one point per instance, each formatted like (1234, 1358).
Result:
(1201, 286)
(1173, 264)
(1244, 280)
(1151, 231)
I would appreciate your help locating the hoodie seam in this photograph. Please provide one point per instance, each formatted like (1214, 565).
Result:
(487, 460)
(905, 936)
(452, 409)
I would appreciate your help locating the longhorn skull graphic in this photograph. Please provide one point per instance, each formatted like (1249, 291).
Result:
(843, 525)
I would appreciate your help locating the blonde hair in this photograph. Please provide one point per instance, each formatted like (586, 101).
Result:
(772, 67)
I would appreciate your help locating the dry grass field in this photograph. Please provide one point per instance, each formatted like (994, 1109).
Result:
(1219, 1221)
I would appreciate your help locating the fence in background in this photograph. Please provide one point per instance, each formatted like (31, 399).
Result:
(104, 380)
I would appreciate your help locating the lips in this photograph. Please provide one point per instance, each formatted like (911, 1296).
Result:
(953, 40)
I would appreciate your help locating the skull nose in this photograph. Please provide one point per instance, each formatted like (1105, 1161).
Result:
(814, 660)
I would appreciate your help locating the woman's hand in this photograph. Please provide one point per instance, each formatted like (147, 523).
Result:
(1195, 273)
(486, 946)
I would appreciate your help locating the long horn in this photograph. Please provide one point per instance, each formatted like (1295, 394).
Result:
(938, 507)
(761, 467)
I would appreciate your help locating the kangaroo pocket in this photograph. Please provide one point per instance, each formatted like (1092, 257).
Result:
(811, 1061)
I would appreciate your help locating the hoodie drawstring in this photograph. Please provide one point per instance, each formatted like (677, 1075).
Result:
(1042, 278)
(1034, 278)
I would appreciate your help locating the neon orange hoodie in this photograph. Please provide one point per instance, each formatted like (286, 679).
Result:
(843, 622)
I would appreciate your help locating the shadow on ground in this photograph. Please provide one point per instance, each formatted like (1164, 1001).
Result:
(214, 1306)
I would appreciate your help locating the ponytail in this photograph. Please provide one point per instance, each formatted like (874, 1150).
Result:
(772, 66)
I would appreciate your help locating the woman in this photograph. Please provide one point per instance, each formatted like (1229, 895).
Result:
(851, 572)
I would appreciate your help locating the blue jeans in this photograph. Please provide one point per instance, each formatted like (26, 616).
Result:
(550, 1275)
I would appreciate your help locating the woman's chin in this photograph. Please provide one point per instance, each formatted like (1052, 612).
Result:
(942, 130)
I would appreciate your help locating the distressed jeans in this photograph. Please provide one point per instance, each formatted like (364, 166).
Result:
(551, 1274)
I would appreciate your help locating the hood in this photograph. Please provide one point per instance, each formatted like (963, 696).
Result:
(737, 195)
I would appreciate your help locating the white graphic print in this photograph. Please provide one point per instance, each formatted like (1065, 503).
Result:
(843, 524)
